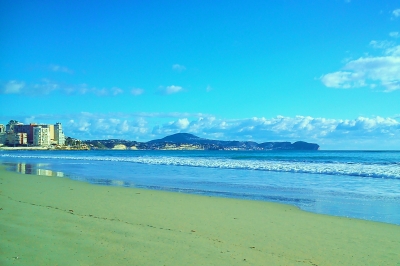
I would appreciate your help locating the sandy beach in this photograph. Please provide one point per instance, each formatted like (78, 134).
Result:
(57, 221)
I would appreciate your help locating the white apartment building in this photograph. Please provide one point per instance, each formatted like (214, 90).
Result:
(41, 136)
(59, 136)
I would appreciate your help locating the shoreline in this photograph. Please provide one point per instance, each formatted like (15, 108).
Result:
(4, 148)
(54, 220)
(39, 148)
(358, 207)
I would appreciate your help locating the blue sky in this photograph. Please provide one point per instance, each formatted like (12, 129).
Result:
(320, 71)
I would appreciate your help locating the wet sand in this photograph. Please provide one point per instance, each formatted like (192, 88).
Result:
(56, 221)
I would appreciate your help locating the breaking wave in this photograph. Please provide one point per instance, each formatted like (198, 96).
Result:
(390, 171)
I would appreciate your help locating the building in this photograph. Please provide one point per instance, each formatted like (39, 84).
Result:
(12, 138)
(3, 138)
(10, 126)
(53, 132)
(17, 139)
(41, 136)
(59, 136)
(21, 128)
(2, 129)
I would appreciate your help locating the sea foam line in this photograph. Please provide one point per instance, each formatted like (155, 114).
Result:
(355, 169)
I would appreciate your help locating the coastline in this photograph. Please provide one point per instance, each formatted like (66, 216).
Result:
(54, 220)
(35, 148)
(40, 148)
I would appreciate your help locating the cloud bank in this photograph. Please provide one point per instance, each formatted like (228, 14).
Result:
(375, 72)
(379, 71)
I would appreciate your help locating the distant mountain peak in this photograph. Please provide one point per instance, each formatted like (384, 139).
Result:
(179, 137)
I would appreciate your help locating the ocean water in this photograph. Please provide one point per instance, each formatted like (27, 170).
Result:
(355, 184)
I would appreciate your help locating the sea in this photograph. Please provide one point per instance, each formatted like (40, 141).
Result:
(354, 184)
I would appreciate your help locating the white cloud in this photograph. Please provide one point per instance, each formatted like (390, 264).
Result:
(137, 91)
(46, 86)
(13, 87)
(182, 123)
(396, 12)
(116, 91)
(343, 79)
(178, 67)
(78, 126)
(381, 44)
(43, 87)
(171, 89)
(171, 127)
(58, 68)
(394, 51)
(394, 34)
(94, 126)
(371, 71)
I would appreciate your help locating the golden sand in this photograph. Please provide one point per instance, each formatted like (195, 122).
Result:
(57, 221)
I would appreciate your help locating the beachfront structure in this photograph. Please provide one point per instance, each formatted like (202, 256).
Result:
(59, 136)
(11, 124)
(41, 136)
(2, 129)
(13, 138)
(21, 128)
(17, 139)
(53, 132)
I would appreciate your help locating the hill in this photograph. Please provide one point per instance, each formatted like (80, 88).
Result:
(186, 141)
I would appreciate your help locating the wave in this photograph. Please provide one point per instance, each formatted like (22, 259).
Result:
(390, 171)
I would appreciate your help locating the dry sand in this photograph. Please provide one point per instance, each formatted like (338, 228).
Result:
(57, 221)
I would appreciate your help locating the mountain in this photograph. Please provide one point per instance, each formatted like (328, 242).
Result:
(208, 144)
(186, 141)
(179, 138)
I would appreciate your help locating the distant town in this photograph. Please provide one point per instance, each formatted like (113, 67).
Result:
(36, 136)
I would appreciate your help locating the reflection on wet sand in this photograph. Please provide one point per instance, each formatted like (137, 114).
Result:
(33, 169)
(39, 169)
(111, 182)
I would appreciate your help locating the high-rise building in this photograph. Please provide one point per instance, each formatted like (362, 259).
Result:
(41, 136)
(59, 136)
(51, 132)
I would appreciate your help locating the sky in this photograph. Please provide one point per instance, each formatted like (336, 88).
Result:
(325, 72)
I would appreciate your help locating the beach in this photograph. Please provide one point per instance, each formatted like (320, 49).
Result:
(47, 220)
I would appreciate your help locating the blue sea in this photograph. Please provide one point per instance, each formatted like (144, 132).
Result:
(355, 184)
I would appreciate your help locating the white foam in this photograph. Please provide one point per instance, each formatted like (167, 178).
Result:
(337, 168)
